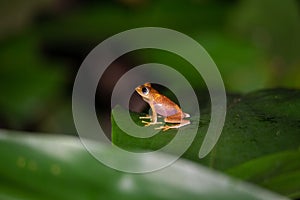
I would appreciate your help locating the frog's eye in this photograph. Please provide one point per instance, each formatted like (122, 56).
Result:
(145, 90)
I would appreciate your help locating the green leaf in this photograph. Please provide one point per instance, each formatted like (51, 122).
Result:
(257, 124)
(59, 167)
(279, 172)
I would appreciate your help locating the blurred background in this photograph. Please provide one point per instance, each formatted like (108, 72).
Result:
(254, 43)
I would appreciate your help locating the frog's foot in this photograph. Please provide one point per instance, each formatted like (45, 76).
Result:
(166, 127)
(151, 123)
(163, 128)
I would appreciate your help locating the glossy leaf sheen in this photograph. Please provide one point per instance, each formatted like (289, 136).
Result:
(37, 167)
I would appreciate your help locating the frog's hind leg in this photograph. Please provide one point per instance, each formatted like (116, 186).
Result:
(186, 115)
(176, 126)
(177, 120)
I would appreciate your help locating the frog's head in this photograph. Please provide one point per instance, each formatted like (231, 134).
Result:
(144, 90)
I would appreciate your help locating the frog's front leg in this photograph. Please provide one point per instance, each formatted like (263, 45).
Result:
(174, 119)
(146, 117)
(153, 119)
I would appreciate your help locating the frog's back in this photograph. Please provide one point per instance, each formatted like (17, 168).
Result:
(167, 107)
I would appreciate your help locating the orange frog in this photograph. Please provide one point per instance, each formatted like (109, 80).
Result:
(163, 106)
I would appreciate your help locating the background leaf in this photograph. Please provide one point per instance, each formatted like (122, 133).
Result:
(279, 172)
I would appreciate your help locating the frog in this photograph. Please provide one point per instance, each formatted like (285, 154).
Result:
(161, 106)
